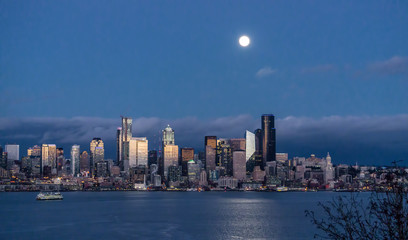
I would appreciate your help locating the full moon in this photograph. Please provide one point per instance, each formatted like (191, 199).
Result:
(244, 41)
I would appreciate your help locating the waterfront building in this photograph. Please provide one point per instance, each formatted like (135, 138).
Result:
(193, 171)
(258, 174)
(84, 162)
(48, 158)
(203, 178)
(249, 145)
(268, 138)
(13, 151)
(224, 156)
(227, 182)
(258, 156)
(187, 154)
(239, 165)
(75, 152)
(138, 152)
(60, 159)
(210, 144)
(126, 133)
(96, 152)
(119, 145)
(174, 175)
(170, 158)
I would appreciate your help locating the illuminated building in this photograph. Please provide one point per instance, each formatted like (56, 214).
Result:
(281, 157)
(193, 171)
(126, 133)
(170, 158)
(187, 154)
(168, 136)
(75, 151)
(210, 152)
(96, 156)
(34, 151)
(239, 165)
(48, 157)
(84, 164)
(249, 145)
(13, 151)
(258, 156)
(138, 152)
(268, 138)
(224, 156)
(119, 145)
(174, 173)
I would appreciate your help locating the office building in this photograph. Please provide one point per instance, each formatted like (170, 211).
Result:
(170, 158)
(282, 157)
(268, 138)
(138, 152)
(126, 133)
(193, 171)
(237, 144)
(210, 144)
(152, 159)
(84, 162)
(187, 154)
(239, 165)
(97, 152)
(168, 136)
(13, 151)
(224, 156)
(48, 157)
(249, 145)
(118, 145)
(75, 152)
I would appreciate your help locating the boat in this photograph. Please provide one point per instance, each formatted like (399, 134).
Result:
(49, 196)
(282, 189)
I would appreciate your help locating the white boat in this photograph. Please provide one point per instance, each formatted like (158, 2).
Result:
(282, 189)
(49, 196)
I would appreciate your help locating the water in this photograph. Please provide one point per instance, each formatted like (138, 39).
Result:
(160, 215)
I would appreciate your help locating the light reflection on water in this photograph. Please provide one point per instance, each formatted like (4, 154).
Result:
(159, 215)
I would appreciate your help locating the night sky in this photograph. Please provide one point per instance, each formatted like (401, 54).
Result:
(335, 74)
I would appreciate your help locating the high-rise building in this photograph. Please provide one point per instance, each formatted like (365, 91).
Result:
(249, 145)
(239, 165)
(168, 136)
(84, 165)
(60, 159)
(13, 151)
(210, 144)
(174, 173)
(187, 154)
(237, 144)
(224, 156)
(34, 151)
(170, 158)
(75, 152)
(193, 170)
(138, 152)
(126, 133)
(48, 157)
(97, 152)
(119, 145)
(268, 138)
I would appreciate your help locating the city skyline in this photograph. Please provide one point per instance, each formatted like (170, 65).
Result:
(334, 83)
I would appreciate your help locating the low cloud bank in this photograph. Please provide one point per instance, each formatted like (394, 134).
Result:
(363, 139)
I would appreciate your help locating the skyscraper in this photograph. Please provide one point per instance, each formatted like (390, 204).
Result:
(13, 151)
(84, 162)
(239, 165)
(126, 133)
(168, 136)
(60, 159)
(75, 151)
(170, 158)
(210, 143)
(249, 145)
(268, 138)
(48, 157)
(224, 155)
(152, 157)
(97, 152)
(118, 145)
(187, 154)
(138, 152)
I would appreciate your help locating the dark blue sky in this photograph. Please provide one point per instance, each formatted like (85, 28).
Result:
(176, 59)
(181, 58)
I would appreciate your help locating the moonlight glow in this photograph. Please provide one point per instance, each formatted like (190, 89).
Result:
(244, 41)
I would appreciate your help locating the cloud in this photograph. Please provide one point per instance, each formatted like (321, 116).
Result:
(319, 69)
(266, 71)
(393, 66)
(349, 139)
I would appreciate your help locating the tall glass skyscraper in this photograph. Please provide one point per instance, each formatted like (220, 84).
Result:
(268, 138)
(75, 152)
